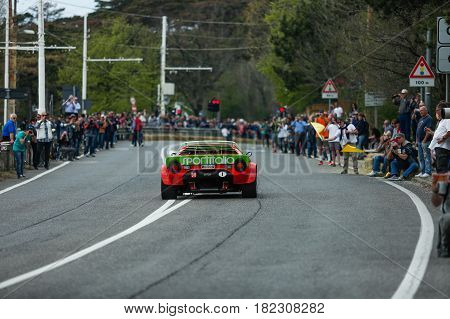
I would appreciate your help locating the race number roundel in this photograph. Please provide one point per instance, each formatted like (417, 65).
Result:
(222, 174)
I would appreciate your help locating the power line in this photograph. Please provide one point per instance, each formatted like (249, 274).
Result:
(157, 17)
(192, 49)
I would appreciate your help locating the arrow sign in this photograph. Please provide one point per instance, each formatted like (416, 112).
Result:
(329, 90)
(421, 75)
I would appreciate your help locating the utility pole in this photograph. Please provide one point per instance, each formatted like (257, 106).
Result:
(428, 59)
(6, 84)
(86, 60)
(41, 59)
(161, 86)
(163, 65)
(84, 80)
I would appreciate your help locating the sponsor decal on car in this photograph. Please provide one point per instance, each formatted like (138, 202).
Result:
(206, 160)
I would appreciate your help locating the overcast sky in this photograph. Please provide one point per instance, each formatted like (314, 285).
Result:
(24, 5)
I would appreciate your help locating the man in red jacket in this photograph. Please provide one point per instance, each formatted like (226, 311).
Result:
(137, 130)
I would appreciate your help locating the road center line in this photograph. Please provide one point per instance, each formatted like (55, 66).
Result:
(418, 266)
(154, 216)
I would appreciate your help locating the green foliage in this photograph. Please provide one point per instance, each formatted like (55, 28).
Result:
(110, 85)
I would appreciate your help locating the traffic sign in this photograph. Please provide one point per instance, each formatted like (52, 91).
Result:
(329, 90)
(14, 94)
(443, 46)
(372, 99)
(443, 31)
(444, 59)
(421, 75)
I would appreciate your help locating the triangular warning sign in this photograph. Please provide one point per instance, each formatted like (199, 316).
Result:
(329, 87)
(422, 70)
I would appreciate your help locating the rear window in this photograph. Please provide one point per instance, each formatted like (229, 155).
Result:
(209, 150)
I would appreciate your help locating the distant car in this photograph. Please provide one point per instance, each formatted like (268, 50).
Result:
(208, 167)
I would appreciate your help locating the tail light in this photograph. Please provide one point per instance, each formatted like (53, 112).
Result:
(175, 167)
(240, 165)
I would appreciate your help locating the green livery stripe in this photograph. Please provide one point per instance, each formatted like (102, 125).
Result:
(187, 160)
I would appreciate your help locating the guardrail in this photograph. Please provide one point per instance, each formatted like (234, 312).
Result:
(125, 133)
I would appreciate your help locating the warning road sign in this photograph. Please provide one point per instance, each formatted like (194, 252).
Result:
(421, 75)
(329, 90)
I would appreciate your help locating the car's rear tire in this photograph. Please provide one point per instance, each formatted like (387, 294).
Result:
(249, 190)
(168, 191)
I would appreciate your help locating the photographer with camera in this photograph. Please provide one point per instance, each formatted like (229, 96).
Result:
(404, 112)
(384, 146)
(19, 150)
(90, 131)
(44, 138)
(402, 155)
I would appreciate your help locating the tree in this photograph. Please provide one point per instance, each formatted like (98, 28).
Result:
(110, 85)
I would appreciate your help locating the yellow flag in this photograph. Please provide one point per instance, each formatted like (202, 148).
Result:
(351, 149)
(318, 127)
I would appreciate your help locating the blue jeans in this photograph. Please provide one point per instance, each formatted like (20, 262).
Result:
(312, 147)
(405, 124)
(19, 156)
(377, 160)
(362, 141)
(101, 140)
(90, 140)
(424, 157)
(396, 165)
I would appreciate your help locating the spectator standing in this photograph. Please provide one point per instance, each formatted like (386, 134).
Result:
(441, 142)
(423, 141)
(311, 141)
(90, 131)
(348, 136)
(402, 155)
(44, 138)
(9, 129)
(33, 142)
(333, 142)
(76, 105)
(137, 131)
(300, 135)
(354, 111)
(415, 103)
(69, 106)
(101, 132)
(338, 111)
(363, 132)
(283, 134)
(322, 138)
(19, 151)
(265, 133)
(404, 112)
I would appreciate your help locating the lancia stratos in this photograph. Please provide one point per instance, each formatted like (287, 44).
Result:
(208, 167)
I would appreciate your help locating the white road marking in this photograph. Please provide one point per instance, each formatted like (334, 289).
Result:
(154, 216)
(3, 191)
(418, 266)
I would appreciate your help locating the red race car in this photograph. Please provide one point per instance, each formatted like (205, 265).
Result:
(208, 167)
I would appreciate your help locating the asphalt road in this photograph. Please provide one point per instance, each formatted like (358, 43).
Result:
(311, 233)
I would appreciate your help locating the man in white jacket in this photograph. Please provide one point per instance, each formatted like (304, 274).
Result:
(44, 138)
